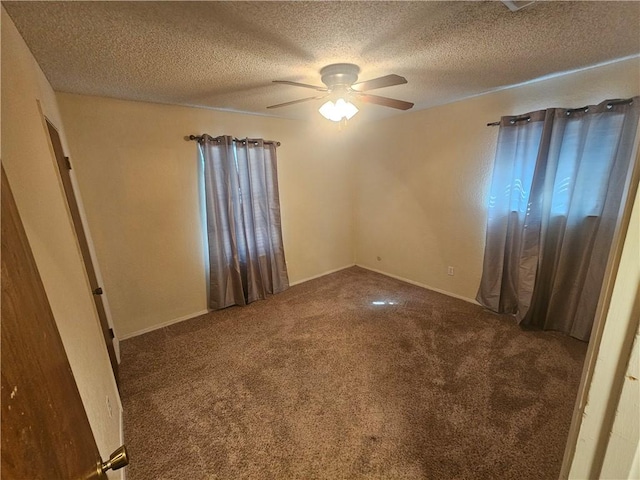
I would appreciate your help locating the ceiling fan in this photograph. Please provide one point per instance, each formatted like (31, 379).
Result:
(340, 80)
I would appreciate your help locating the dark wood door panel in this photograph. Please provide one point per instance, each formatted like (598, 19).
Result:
(45, 430)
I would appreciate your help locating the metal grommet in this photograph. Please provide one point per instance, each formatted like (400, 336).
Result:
(568, 113)
(609, 106)
(512, 122)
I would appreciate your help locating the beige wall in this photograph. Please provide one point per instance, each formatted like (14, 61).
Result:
(31, 170)
(422, 178)
(416, 200)
(139, 182)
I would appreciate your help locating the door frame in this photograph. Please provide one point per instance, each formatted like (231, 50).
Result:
(92, 258)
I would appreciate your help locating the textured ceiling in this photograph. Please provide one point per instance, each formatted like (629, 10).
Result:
(225, 54)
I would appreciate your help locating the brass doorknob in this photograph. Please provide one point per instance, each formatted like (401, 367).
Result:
(118, 459)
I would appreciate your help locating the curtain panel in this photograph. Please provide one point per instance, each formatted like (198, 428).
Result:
(556, 196)
(246, 253)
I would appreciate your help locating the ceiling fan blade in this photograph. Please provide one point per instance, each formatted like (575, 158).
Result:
(380, 82)
(384, 101)
(296, 101)
(305, 85)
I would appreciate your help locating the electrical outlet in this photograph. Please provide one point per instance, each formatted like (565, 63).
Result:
(109, 409)
(450, 271)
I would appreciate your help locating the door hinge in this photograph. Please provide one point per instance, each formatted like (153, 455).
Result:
(98, 291)
(111, 334)
(68, 162)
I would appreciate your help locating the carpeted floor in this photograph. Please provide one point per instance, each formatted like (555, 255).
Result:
(322, 382)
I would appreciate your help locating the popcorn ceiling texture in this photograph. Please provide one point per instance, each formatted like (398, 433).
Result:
(225, 54)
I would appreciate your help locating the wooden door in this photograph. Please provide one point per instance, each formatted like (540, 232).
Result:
(45, 430)
(63, 167)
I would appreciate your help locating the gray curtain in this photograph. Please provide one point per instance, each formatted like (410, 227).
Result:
(246, 254)
(556, 196)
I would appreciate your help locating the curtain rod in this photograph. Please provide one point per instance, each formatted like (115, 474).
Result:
(241, 140)
(527, 118)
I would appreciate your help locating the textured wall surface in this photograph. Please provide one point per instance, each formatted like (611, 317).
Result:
(416, 201)
(34, 180)
(139, 181)
(422, 179)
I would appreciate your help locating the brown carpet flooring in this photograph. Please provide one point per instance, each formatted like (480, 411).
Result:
(319, 382)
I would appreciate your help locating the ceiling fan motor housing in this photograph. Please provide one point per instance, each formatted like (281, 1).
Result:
(340, 74)
(341, 78)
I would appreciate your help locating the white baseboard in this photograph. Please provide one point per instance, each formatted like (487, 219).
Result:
(422, 285)
(297, 282)
(116, 348)
(163, 324)
(197, 314)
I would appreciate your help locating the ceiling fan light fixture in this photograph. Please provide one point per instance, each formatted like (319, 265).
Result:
(340, 80)
(338, 110)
